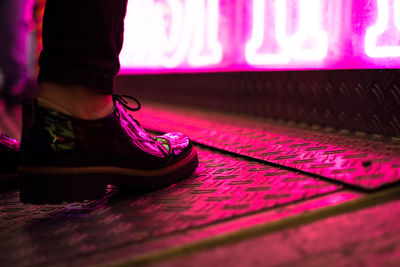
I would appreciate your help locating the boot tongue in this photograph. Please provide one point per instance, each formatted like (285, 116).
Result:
(164, 142)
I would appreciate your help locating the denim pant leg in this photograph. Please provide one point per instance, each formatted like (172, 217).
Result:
(82, 40)
(13, 43)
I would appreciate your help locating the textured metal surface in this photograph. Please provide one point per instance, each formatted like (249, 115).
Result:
(358, 100)
(369, 237)
(356, 161)
(223, 187)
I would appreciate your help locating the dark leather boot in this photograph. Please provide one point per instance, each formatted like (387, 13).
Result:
(70, 159)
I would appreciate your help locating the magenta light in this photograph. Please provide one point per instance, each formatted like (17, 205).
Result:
(228, 35)
(387, 28)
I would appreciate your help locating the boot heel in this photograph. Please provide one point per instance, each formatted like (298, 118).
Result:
(52, 189)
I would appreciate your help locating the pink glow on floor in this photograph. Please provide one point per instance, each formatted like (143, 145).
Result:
(224, 186)
(352, 161)
(222, 35)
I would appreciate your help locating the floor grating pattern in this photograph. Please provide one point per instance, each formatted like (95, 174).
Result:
(222, 188)
(355, 161)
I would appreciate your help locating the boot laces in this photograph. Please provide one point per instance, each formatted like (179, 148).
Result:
(122, 100)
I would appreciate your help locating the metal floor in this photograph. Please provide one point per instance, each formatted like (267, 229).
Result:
(255, 177)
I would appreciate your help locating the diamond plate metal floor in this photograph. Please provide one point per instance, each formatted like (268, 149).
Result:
(222, 188)
(352, 159)
(228, 193)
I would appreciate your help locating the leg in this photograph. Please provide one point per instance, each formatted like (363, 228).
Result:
(77, 136)
(81, 44)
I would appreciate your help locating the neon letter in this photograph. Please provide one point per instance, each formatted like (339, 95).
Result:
(290, 47)
(178, 40)
(256, 41)
(166, 32)
(205, 27)
(309, 30)
(373, 33)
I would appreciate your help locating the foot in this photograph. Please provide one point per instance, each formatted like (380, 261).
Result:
(9, 161)
(65, 158)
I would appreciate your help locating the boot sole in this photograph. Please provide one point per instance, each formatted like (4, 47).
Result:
(39, 184)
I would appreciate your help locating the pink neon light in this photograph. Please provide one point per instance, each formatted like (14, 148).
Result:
(175, 30)
(226, 35)
(374, 50)
(255, 43)
(310, 29)
(291, 47)
(206, 33)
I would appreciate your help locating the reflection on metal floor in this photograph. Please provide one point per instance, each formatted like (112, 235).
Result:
(350, 159)
(235, 194)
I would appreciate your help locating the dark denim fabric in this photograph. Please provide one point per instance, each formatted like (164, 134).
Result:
(82, 40)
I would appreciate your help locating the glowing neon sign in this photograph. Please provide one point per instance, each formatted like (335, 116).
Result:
(289, 46)
(192, 35)
(259, 13)
(310, 30)
(388, 13)
(165, 33)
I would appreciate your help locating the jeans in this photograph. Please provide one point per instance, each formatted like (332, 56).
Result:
(82, 40)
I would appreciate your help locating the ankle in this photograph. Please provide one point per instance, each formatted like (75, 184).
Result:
(78, 101)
